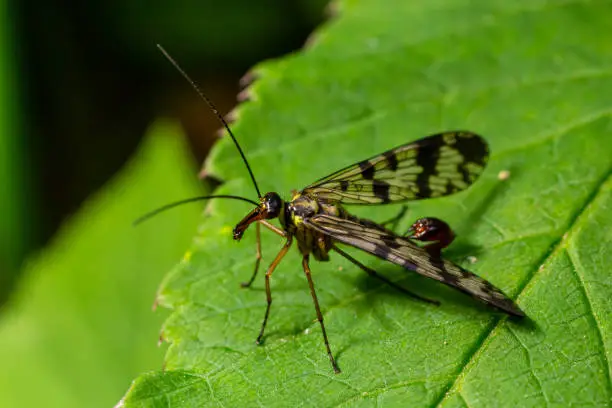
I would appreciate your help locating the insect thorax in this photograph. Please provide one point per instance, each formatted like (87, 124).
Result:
(302, 207)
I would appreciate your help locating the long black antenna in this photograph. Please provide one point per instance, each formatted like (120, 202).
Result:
(215, 111)
(188, 200)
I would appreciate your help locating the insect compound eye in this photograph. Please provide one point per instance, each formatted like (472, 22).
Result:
(273, 204)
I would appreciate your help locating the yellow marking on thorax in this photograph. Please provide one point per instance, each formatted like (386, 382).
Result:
(296, 220)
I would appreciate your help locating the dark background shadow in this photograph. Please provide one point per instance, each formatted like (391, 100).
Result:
(89, 81)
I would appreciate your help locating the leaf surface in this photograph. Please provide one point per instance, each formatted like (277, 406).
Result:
(533, 77)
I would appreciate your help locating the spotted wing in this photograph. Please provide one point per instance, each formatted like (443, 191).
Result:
(435, 166)
(382, 243)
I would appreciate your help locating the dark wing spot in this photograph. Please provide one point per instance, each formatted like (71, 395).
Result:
(450, 279)
(391, 159)
(473, 148)
(390, 241)
(382, 251)
(465, 174)
(367, 170)
(344, 185)
(450, 188)
(438, 263)
(409, 265)
(427, 158)
(381, 190)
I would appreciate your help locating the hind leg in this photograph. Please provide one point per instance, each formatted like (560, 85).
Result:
(376, 275)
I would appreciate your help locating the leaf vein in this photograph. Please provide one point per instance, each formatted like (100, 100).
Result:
(531, 366)
(579, 272)
(488, 332)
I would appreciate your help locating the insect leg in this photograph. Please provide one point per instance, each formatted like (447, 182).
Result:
(434, 232)
(257, 256)
(393, 221)
(271, 268)
(258, 253)
(273, 228)
(319, 315)
(375, 274)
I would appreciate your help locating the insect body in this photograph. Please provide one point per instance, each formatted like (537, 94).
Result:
(315, 218)
(434, 166)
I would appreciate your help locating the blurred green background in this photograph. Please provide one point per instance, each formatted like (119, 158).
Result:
(80, 82)
(84, 150)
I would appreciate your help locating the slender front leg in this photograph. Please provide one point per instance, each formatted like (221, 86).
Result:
(271, 268)
(319, 315)
(257, 256)
(273, 228)
(375, 274)
(258, 253)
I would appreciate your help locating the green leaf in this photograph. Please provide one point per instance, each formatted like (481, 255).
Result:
(534, 77)
(80, 326)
